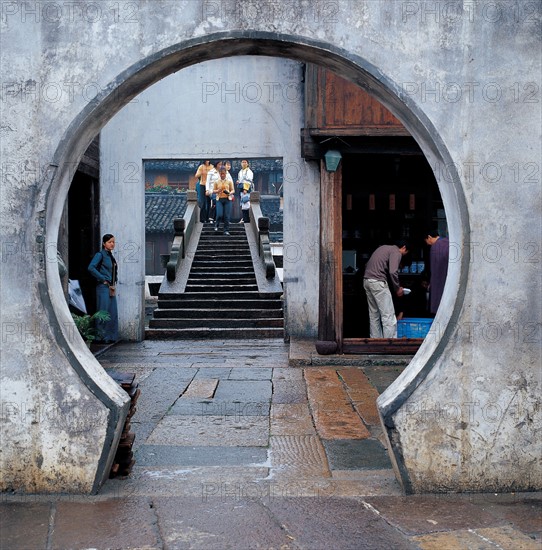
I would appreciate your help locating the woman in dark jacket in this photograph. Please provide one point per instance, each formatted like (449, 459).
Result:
(103, 268)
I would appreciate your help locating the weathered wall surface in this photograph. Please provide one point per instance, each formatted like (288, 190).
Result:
(243, 106)
(464, 77)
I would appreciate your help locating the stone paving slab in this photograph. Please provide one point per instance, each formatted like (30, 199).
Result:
(169, 455)
(502, 538)
(212, 431)
(287, 373)
(217, 524)
(292, 419)
(333, 414)
(303, 456)
(524, 510)
(142, 372)
(220, 373)
(248, 373)
(117, 356)
(160, 390)
(24, 525)
(354, 454)
(329, 522)
(244, 390)
(202, 387)
(363, 483)
(383, 375)
(421, 514)
(289, 391)
(197, 481)
(362, 394)
(220, 407)
(142, 431)
(123, 523)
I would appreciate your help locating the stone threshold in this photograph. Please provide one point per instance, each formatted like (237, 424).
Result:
(303, 354)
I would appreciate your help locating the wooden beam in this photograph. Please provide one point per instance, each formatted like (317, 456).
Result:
(387, 346)
(330, 315)
(355, 131)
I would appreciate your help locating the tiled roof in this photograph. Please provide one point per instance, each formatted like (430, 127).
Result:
(191, 165)
(161, 209)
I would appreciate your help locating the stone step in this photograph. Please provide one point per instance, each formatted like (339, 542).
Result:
(212, 248)
(222, 269)
(221, 298)
(214, 322)
(223, 287)
(234, 255)
(216, 282)
(230, 276)
(221, 240)
(234, 228)
(218, 313)
(210, 233)
(213, 302)
(213, 295)
(212, 333)
(217, 263)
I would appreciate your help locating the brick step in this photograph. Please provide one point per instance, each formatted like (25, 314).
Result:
(214, 322)
(213, 303)
(218, 313)
(212, 333)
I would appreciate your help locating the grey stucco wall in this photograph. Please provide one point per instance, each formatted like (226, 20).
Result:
(244, 106)
(464, 77)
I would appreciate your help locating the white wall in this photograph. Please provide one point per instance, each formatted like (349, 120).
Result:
(227, 108)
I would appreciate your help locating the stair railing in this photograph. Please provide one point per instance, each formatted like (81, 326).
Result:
(183, 228)
(260, 225)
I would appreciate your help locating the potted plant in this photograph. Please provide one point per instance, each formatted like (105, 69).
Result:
(86, 325)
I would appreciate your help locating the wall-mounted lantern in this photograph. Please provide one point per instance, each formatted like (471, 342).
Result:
(332, 157)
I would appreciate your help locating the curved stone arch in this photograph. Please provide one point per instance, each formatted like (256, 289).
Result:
(153, 68)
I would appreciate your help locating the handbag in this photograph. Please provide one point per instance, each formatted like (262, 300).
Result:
(112, 291)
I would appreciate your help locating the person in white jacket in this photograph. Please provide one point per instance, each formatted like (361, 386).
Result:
(245, 178)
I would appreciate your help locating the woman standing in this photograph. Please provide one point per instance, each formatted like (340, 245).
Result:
(223, 189)
(204, 201)
(103, 268)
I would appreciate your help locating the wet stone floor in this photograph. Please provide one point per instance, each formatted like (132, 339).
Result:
(236, 449)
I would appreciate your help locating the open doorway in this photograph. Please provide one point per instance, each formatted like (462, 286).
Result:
(388, 196)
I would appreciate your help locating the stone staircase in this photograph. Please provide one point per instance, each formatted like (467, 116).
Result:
(221, 299)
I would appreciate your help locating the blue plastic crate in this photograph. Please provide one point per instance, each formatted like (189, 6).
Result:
(411, 327)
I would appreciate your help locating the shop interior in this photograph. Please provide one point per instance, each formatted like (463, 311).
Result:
(387, 196)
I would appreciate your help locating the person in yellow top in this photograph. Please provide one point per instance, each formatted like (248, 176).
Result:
(204, 202)
(223, 188)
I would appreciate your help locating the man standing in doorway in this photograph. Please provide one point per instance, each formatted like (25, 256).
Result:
(438, 265)
(382, 266)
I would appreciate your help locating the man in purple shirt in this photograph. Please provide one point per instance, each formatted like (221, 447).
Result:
(382, 266)
(438, 265)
